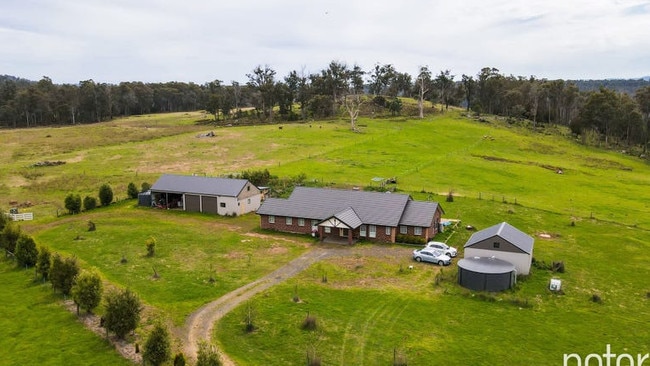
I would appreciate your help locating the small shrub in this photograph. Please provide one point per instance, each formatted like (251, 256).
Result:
(313, 359)
(26, 253)
(409, 239)
(105, 195)
(91, 226)
(250, 314)
(324, 277)
(123, 260)
(558, 267)
(296, 298)
(207, 355)
(145, 187)
(132, 191)
(309, 323)
(122, 312)
(179, 359)
(450, 196)
(43, 263)
(72, 203)
(90, 203)
(647, 295)
(151, 246)
(596, 298)
(157, 348)
(63, 273)
(87, 290)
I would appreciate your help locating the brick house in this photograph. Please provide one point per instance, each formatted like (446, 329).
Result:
(351, 215)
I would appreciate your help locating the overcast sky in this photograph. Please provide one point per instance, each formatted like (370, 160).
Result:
(199, 41)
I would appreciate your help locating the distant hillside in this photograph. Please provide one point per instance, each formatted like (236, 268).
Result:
(15, 80)
(629, 86)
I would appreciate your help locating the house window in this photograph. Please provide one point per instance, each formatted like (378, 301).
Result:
(417, 230)
(372, 231)
(343, 232)
(248, 201)
(496, 245)
(314, 223)
(301, 222)
(222, 204)
(362, 230)
(328, 229)
(248, 188)
(271, 219)
(403, 229)
(388, 230)
(289, 221)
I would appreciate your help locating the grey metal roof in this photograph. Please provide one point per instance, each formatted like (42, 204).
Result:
(372, 208)
(487, 265)
(349, 217)
(419, 213)
(506, 231)
(200, 185)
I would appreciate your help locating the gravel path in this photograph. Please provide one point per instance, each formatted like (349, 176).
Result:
(199, 324)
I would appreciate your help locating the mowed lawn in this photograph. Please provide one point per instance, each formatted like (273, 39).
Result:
(37, 330)
(369, 307)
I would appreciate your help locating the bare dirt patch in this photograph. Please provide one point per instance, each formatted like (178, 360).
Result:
(532, 163)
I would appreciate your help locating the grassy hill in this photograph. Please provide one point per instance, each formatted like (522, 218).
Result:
(596, 213)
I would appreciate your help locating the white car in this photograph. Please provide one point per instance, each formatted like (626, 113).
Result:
(450, 251)
(431, 255)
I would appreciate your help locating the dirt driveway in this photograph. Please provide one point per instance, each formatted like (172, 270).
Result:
(199, 324)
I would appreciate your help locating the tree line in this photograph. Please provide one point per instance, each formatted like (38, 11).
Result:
(611, 116)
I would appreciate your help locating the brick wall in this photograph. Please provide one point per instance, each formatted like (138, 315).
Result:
(281, 225)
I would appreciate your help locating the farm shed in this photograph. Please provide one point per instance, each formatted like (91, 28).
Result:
(350, 215)
(486, 274)
(505, 242)
(221, 196)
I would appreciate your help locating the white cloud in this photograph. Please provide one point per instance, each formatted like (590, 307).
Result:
(151, 40)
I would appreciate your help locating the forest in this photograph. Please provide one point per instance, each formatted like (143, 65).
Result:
(613, 112)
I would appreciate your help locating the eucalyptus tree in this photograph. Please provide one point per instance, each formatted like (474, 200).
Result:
(469, 90)
(68, 102)
(236, 96)
(490, 89)
(299, 88)
(262, 80)
(445, 85)
(423, 84)
(401, 85)
(214, 95)
(642, 97)
(381, 77)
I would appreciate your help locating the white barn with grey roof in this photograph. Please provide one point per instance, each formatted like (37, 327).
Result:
(351, 214)
(221, 196)
(505, 242)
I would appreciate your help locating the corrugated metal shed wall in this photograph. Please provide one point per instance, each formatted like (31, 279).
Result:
(192, 203)
(209, 204)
